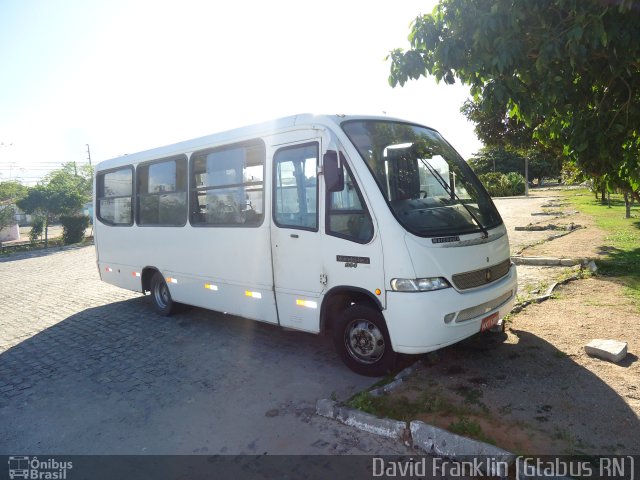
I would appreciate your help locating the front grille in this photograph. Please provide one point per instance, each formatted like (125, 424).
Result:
(477, 278)
(478, 310)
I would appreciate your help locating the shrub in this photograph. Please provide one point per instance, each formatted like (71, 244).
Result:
(73, 228)
(37, 227)
(503, 185)
(515, 183)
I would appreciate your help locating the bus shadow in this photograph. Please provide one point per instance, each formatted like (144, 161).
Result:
(527, 384)
(122, 357)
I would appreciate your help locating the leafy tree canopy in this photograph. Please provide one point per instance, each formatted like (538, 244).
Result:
(63, 192)
(567, 69)
(12, 191)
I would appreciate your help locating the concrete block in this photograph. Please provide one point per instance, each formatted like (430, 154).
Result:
(385, 427)
(611, 350)
(384, 389)
(436, 441)
(326, 408)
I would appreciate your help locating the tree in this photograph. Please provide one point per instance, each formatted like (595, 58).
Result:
(567, 69)
(542, 163)
(10, 192)
(497, 159)
(62, 193)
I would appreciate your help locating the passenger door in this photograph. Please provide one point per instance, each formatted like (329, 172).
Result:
(295, 233)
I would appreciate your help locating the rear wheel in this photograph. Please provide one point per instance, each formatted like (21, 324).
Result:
(160, 295)
(362, 341)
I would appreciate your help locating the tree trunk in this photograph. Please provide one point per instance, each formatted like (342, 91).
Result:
(603, 192)
(46, 231)
(627, 205)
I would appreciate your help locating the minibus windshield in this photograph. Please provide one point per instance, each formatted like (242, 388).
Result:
(428, 186)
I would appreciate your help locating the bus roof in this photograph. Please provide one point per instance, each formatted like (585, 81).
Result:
(234, 135)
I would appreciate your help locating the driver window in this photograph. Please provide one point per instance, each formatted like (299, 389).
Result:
(347, 216)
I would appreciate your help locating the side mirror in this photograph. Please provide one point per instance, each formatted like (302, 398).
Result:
(333, 171)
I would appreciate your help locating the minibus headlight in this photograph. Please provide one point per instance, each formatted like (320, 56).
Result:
(419, 284)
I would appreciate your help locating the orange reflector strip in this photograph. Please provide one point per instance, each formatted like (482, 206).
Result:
(172, 280)
(210, 286)
(252, 294)
(109, 269)
(306, 303)
(135, 274)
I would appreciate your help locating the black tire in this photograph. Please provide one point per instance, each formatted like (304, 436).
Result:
(160, 296)
(361, 339)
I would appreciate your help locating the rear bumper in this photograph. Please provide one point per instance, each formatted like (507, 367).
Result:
(416, 321)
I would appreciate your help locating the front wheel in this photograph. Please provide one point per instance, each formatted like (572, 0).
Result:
(160, 295)
(362, 341)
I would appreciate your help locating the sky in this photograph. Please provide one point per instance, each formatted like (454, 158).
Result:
(127, 75)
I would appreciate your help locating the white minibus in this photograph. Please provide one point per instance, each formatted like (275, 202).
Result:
(369, 228)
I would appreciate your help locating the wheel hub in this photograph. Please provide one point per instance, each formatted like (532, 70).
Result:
(365, 342)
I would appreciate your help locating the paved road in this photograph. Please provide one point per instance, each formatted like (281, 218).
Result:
(89, 368)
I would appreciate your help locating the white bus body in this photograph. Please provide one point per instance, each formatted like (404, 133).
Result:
(372, 228)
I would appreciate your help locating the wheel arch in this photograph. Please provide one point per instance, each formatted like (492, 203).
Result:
(339, 298)
(147, 275)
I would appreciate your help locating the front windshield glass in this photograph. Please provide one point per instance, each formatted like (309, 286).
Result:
(428, 186)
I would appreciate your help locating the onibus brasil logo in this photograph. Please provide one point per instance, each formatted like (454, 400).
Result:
(33, 468)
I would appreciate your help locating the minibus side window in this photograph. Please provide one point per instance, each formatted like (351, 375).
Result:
(114, 197)
(295, 199)
(347, 216)
(162, 192)
(227, 185)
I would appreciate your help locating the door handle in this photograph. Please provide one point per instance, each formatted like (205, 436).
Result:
(294, 235)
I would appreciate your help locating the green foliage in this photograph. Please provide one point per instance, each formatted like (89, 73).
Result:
(503, 185)
(497, 159)
(542, 163)
(73, 228)
(571, 174)
(63, 192)
(37, 227)
(566, 72)
(12, 191)
(7, 215)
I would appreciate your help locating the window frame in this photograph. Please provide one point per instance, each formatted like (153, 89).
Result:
(101, 174)
(139, 195)
(365, 210)
(274, 183)
(193, 189)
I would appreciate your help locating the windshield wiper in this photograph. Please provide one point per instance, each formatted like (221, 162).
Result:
(453, 193)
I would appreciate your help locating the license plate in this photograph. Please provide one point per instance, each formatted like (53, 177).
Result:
(489, 322)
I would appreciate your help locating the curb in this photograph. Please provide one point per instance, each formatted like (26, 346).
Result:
(431, 440)
(549, 261)
(366, 422)
(438, 442)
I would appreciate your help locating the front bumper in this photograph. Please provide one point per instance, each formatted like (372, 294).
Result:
(416, 321)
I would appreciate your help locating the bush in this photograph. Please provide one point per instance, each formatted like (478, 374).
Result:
(73, 228)
(37, 227)
(516, 183)
(503, 185)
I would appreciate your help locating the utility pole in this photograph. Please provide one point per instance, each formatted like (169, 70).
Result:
(88, 154)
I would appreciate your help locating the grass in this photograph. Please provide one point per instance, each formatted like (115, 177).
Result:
(432, 400)
(622, 237)
(468, 428)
